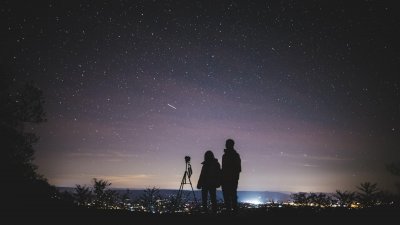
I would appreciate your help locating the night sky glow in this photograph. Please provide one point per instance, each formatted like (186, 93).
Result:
(309, 90)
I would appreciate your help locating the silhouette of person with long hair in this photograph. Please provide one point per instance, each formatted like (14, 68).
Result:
(231, 168)
(209, 180)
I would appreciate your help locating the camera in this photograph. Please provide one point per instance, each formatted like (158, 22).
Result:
(187, 159)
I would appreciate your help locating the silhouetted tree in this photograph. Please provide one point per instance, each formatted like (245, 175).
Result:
(150, 199)
(368, 194)
(82, 195)
(346, 198)
(311, 199)
(388, 199)
(320, 199)
(300, 198)
(21, 106)
(104, 198)
(394, 168)
(125, 200)
(179, 204)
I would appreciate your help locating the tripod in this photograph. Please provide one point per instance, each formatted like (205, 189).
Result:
(186, 177)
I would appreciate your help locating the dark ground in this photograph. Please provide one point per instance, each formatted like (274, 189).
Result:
(73, 215)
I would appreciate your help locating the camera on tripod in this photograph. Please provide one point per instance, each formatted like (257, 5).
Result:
(186, 179)
(187, 159)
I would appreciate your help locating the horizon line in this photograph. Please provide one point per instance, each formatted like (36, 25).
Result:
(218, 189)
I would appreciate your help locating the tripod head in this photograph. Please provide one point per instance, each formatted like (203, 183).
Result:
(187, 159)
(188, 166)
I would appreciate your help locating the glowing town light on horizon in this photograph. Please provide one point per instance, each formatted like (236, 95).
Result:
(253, 201)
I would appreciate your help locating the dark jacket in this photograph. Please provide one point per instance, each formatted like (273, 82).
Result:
(210, 176)
(231, 166)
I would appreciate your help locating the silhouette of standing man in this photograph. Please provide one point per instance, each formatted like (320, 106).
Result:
(231, 168)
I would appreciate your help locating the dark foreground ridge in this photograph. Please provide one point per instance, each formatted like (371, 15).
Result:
(75, 215)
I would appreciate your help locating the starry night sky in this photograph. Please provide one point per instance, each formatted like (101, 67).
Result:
(309, 90)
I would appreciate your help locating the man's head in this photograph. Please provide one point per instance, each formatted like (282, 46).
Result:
(229, 144)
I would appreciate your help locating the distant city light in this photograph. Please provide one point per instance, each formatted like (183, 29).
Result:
(253, 201)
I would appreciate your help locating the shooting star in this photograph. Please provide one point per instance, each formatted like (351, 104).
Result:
(171, 106)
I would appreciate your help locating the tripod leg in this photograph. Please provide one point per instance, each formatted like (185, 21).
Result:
(194, 196)
(180, 191)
